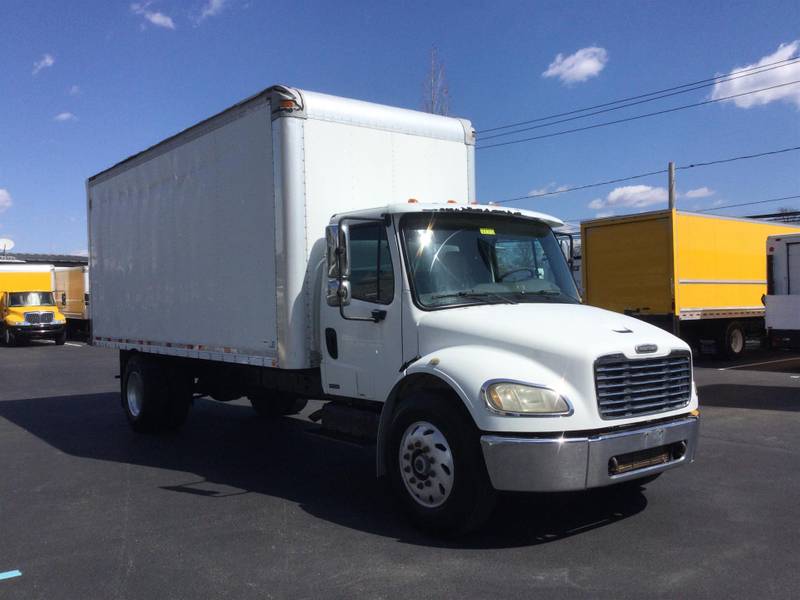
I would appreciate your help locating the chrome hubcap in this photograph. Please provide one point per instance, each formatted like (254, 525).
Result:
(134, 392)
(426, 464)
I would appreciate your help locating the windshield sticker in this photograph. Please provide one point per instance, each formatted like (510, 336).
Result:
(487, 231)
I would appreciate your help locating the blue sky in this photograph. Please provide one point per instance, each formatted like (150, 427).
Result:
(85, 84)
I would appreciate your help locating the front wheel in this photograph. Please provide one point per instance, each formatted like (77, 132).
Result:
(61, 338)
(436, 465)
(8, 338)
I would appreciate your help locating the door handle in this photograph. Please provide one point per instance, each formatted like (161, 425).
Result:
(332, 343)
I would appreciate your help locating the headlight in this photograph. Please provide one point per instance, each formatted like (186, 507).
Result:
(511, 397)
(19, 323)
(59, 321)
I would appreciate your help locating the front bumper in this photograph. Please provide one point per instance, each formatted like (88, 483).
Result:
(40, 330)
(538, 464)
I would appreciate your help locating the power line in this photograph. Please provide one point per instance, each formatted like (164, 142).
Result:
(636, 117)
(629, 104)
(735, 158)
(651, 173)
(669, 89)
(747, 203)
(582, 187)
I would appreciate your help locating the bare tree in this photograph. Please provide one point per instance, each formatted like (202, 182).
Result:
(435, 93)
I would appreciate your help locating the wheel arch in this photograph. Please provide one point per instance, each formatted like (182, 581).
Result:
(416, 379)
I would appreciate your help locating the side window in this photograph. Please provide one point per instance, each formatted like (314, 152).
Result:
(371, 273)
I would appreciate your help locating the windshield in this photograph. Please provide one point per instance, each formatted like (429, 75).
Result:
(31, 299)
(467, 259)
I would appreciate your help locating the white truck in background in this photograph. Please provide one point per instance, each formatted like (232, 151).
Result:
(782, 301)
(302, 246)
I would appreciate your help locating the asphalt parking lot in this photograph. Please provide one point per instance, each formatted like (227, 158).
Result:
(237, 507)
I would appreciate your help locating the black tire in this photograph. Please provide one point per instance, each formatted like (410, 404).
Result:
(275, 404)
(162, 395)
(9, 339)
(61, 338)
(471, 497)
(732, 340)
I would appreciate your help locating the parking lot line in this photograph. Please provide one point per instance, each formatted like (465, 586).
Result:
(73, 344)
(10, 574)
(766, 362)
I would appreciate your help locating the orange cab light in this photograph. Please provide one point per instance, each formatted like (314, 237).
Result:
(287, 104)
(412, 201)
(452, 202)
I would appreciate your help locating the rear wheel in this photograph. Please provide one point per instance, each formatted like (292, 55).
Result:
(436, 466)
(276, 404)
(154, 397)
(732, 339)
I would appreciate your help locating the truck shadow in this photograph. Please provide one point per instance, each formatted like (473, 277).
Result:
(760, 397)
(232, 452)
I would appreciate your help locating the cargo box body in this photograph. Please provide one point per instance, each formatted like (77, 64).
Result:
(206, 244)
(675, 267)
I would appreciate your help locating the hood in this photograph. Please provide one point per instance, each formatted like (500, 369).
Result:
(543, 330)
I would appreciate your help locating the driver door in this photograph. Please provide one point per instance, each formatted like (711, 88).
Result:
(362, 358)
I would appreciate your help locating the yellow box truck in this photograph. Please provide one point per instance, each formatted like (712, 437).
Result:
(27, 307)
(700, 276)
(72, 296)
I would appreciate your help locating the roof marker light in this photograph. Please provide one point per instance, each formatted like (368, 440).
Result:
(412, 201)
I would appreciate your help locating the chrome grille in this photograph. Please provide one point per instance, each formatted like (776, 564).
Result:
(39, 317)
(632, 387)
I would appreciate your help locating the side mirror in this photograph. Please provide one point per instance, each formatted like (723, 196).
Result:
(63, 299)
(337, 240)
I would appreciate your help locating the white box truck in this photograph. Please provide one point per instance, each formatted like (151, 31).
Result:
(302, 246)
(782, 301)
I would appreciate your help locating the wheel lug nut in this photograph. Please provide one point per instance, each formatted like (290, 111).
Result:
(407, 469)
(410, 447)
(406, 456)
(413, 480)
(419, 486)
(427, 484)
(417, 444)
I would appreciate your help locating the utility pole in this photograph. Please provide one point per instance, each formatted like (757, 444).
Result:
(671, 186)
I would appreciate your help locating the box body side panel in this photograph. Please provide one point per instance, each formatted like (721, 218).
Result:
(182, 248)
(721, 263)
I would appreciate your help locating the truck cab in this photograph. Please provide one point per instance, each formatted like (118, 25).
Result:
(31, 315)
(468, 314)
(27, 305)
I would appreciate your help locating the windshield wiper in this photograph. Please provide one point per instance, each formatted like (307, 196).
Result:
(474, 295)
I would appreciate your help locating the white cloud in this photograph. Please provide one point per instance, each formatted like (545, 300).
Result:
(548, 189)
(5, 200)
(585, 63)
(211, 8)
(65, 116)
(772, 77)
(81, 252)
(701, 192)
(45, 62)
(74, 90)
(631, 196)
(158, 19)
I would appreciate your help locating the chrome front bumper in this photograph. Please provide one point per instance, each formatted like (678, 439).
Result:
(531, 464)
